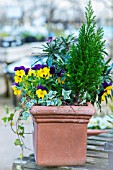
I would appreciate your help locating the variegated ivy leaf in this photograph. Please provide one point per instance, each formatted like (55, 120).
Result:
(66, 94)
(25, 115)
(51, 94)
(31, 103)
(23, 99)
(54, 102)
(50, 103)
(40, 101)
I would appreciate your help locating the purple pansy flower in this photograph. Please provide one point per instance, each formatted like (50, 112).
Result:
(37, 67)
(16, 68)
(52, 70)
(26, 70)
(42, 88)
(61, 73)
(19, 68)
(106, 84)
(44, 65)
(22, 68)
(15, 84)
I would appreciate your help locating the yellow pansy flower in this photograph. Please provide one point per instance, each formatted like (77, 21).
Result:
(16, 91)
(14, 87)
(108, 89)
(20, 73)
(41, 93)
(49, 75)
(44, 73)
(106, 92)
(46, 70)
(103, 97)
(30, 72)
(37, 73)
(17, 79)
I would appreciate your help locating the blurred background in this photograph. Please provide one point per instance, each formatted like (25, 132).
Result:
(27, 24)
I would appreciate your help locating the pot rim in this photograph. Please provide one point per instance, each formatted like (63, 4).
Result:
(64, 110)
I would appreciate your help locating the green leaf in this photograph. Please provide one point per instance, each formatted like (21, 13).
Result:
(18, 142)
(18, 167)
(21, 127)
(11, 117)
(6, 109)
(5, 119)
(49, 62)
(21, 156)
(59, 102)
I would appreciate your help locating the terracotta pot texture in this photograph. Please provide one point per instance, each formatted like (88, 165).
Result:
(60, 134)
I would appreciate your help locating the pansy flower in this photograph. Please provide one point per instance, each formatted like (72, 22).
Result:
(41, 91)
(19, 71)
(31, 72)
(107, 89)
(17, 79)
(27, 70)
(15, 89)
(37, 67)
(44, 65)
(61, 73)
(19, 68)
(61, 80)
(52, 70)
(44, 73)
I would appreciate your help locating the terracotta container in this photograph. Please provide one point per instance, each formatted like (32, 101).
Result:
(60, 134)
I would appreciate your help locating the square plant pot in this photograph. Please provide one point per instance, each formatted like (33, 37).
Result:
(60, 134)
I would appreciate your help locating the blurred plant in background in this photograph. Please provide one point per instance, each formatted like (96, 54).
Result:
(105, 122)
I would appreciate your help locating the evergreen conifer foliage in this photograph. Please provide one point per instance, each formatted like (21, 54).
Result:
(86, 63)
